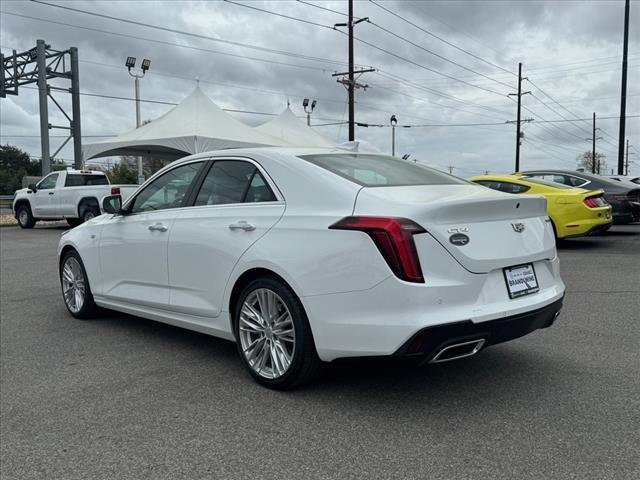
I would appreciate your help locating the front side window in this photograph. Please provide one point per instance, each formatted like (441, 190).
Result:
(233, 181)
(381, 170)
(48, 182)
(167, 191)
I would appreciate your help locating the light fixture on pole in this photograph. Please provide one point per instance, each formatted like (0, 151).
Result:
(394, 121)
(131, 63)
(305, 104)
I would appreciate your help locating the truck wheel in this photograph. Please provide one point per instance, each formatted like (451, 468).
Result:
(87, 212)
(25, 217)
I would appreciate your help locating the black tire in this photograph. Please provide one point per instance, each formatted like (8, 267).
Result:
(88, 211)
(89, 308)
(73, 222)
(555, 232)
(305, 364)
(25, 217)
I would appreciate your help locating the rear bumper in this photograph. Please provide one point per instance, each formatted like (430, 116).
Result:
(596, 229)
(434, 339)
(380, 320)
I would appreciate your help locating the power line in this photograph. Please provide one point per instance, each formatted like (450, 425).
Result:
(323, 8)
(397, 78)
(436, 54)
(162, 42)
(195, 35)
(561, 106)
(442, 39)
(377, 47)
(161, 102)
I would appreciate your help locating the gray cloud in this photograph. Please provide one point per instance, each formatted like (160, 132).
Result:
(548, 37)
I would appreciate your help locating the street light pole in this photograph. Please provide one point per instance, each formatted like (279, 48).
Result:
(137, 82)
(130, 63)
(305, 104)
(393, 120)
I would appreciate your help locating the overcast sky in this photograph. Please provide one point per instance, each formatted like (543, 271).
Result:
(570, 50)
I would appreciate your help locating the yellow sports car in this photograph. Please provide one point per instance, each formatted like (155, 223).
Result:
(574, 212)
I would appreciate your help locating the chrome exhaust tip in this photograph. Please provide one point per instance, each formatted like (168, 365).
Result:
(458, 351)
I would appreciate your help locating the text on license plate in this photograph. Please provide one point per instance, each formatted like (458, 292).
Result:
(521, 280)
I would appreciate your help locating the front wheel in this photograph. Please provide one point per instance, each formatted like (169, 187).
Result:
(25, 217)
(273, 335)
(76, 291)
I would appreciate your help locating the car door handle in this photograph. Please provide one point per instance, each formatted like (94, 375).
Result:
(158, 227)
(242, 225)
(50, 193)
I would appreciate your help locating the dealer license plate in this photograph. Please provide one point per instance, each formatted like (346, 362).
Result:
(521, 280)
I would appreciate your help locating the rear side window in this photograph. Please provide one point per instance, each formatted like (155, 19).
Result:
(79, 180)
(506, 187)
(546, 183)
(233, 181)
(381, 170)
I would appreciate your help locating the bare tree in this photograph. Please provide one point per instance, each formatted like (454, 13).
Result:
(586, 161)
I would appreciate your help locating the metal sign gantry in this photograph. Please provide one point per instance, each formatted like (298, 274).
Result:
(38, 65)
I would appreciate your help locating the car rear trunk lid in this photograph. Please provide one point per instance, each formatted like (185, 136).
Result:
(502, 229)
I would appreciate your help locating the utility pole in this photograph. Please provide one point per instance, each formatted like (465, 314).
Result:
(626, 163)
(352, 114)
(593, 149)
(595, 165)
(450, 167)
(518, 121)
(350, 82)
(623, 93)
(43, 91)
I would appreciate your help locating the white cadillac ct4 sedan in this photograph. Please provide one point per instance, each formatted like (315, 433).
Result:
(304, 256)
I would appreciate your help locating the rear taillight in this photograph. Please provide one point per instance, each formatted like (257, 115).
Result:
(115, 190)
(595, 202)
(394, 238)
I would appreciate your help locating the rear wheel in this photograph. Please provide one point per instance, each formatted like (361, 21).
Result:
(25, 217)
(88, 211)
(273, 335)
(76, 290)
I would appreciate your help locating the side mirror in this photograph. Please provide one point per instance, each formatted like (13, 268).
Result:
(112, 204)
(32, 187)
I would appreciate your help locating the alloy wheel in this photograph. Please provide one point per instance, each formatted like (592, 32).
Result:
(23, 217)
(267, 334)
(73, 284)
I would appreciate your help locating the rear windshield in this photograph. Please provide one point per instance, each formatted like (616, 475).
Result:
(79, 180)
(546, 183)
(380, 170)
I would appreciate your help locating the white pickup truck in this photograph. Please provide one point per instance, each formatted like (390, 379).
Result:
(73, 195)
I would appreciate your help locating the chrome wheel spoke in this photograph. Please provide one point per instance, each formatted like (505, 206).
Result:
(67, 273)
(249, 325)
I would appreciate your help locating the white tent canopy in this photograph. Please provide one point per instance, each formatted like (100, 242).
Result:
(195, 125)
(290, 129)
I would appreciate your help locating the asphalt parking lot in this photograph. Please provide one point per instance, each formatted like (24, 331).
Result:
(122, 397)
